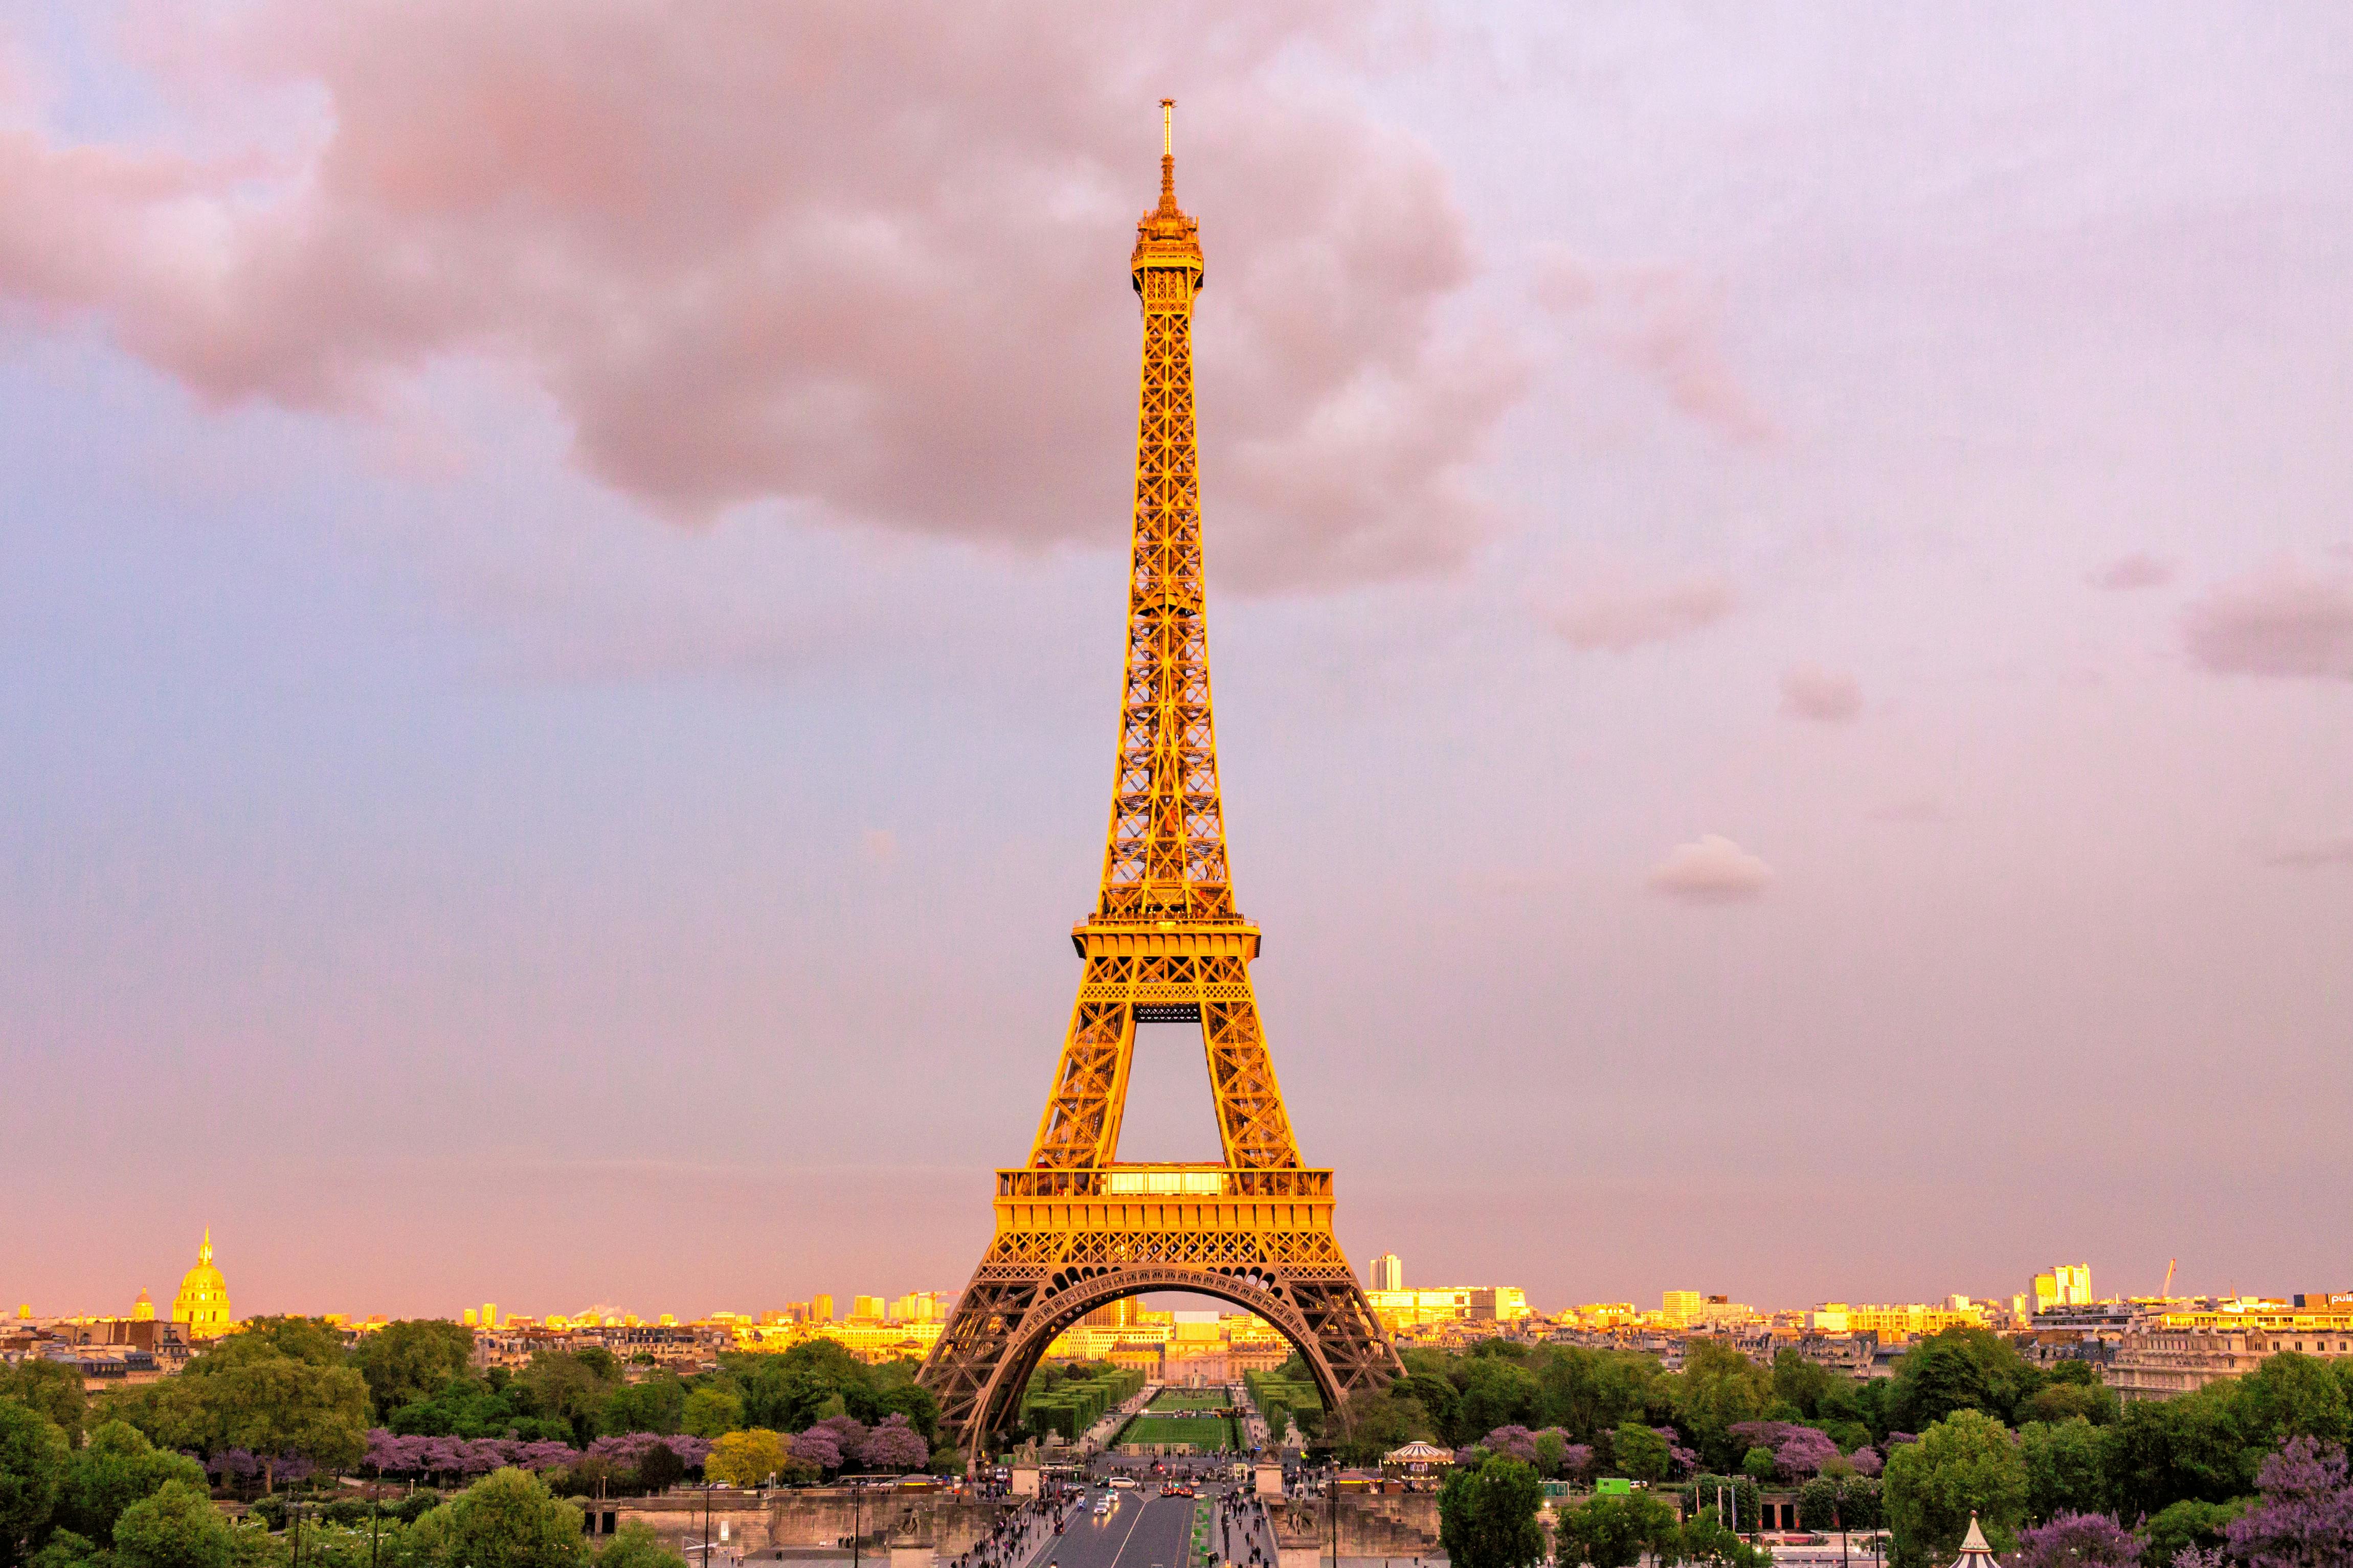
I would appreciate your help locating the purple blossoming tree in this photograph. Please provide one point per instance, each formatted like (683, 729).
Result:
(1512, 1443)
(1802, 1452)
(2078, 1540)
(895, 1446)
(820, 1447)
(2305, 1517)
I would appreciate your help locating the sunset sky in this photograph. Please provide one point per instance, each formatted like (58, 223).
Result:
(1781, 598)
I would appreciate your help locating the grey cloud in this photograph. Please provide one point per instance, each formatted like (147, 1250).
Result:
(1617, 619)
(2280, 623)
(2139, 570)
(2313, 857)
(1822, 695)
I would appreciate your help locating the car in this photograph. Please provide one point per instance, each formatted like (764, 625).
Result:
(1122, 1482)
(1102, 1505)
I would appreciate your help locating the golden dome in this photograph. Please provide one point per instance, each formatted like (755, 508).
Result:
(142, 1310)
(203, 1300)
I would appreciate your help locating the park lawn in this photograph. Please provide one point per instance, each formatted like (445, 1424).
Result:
(1201, 1431)
(1190, 1399)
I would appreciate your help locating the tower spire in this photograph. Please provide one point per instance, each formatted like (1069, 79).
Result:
(1168, 156)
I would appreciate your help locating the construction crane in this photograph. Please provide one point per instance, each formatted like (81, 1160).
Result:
(2166, 1294)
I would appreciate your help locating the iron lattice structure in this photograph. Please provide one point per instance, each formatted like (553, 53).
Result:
(1076, 1229)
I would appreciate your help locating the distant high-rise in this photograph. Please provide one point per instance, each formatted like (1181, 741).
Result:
(866, 1306)
(820, 1309)
(1389, 1272)
(490, 1314)
(470, 1318)
(2067, 1285)
(1679, 1306)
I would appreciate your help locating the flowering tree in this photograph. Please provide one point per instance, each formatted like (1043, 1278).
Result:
(1577, 1458)
(2305, 1517)
(820, 1447)
(1802, 1452)
(895, 1446)
(232, 1468)
(2078, 1540)
(1512, 1443)
(1866, 1461)
(848, 1433)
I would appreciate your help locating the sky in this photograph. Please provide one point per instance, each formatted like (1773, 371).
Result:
(1781, 598)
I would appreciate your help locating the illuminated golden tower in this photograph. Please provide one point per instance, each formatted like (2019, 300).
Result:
(203, 1300)
(1076, 1228)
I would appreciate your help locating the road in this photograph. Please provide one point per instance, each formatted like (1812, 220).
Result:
(1143, 1530)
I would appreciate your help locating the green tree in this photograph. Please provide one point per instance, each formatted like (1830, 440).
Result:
(1703, 1540)
(1838, 1503)
(311, 1340)
(2161, 1451)
(635, 1546)
(275, 1404)
(1962, 1465)
(178, 1527)
(410, 1361)
(51, 1387)
(507, 1520)
(2058, 1401)
(117, 1466)
(1717, 1388)
(2294, 1395)
(1439, 1399)
(2063, 1469)
(659, 1404)
(573, 1386)
(1377, 1420)
(2184, 1524)
(1803, 1385)
(1487, 1515)
(1757, 1464)
(1959, 1369)
(1614, 1532)
(1640, 1452)
(33, 1468)
(1495, 1392)
(709, 1412)
(64, 1549)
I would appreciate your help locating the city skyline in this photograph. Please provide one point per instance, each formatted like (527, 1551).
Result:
(922, 1303)
(1783, 592)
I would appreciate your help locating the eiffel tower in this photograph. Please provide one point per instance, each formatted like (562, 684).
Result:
(1077, 1228)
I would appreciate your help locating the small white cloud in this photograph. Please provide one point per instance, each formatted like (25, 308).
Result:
(2313, 857)
(2139, 570)
(2280, 623)
(1618, 619)
(881, 845)
(1822, 695)
(1712, 870)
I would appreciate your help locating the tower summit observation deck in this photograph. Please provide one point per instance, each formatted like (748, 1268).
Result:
(1076, 1228)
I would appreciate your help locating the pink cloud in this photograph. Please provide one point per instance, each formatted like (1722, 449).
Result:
(1712, 869)
(811, 252)
(2313, 857)
(2280, 622)
(1617, 619)
(2139, 570)
(1822, 695)
(1665, 324)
